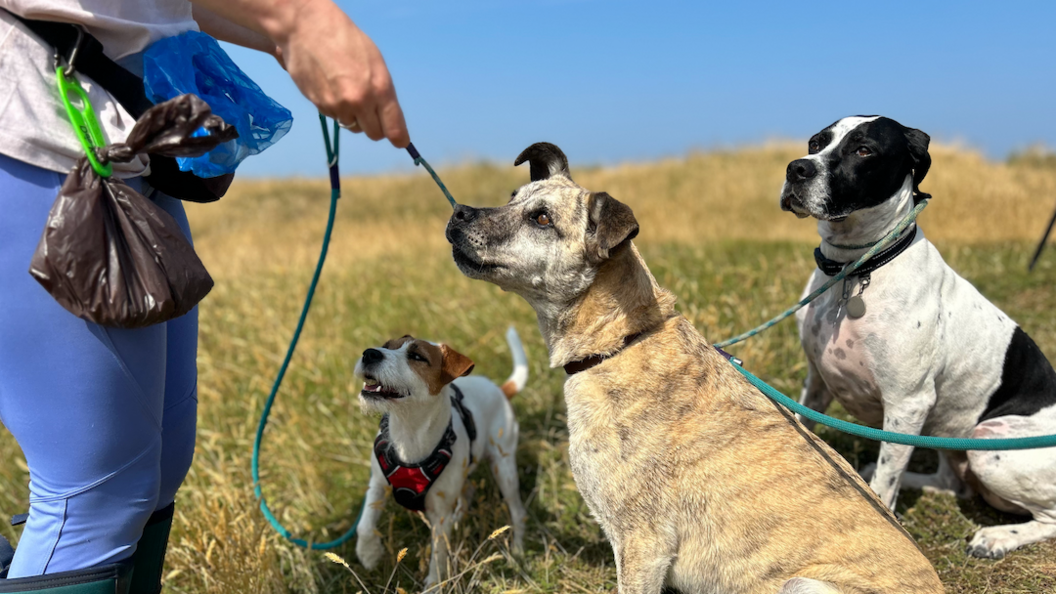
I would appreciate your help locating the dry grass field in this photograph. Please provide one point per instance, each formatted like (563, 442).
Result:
(711, 231)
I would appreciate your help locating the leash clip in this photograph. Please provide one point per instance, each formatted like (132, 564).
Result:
(71, 61)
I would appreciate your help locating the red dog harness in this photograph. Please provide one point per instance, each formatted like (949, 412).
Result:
(411, 482)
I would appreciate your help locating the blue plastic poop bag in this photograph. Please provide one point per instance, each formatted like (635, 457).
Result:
(194, 63)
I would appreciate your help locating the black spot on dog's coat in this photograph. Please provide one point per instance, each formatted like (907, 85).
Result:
(1028, 381)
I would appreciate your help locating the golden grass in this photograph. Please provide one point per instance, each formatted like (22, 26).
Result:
(702, 197)
(711, 231)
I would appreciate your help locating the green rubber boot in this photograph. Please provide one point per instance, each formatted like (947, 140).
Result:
(108, 579)
(149, 558)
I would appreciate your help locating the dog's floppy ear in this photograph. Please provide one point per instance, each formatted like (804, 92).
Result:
(455, 364)
(545, 160)
(918, 151)
(610, 223)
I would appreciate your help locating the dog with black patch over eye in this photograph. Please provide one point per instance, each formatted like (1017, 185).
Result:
(699, 481)
(438, 424)
(908, 344)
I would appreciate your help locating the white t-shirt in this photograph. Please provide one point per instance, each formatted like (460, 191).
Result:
(33, 124)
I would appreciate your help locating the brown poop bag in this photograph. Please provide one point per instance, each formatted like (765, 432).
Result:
(109, 255)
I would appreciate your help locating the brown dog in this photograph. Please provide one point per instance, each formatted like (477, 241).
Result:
(700, 482)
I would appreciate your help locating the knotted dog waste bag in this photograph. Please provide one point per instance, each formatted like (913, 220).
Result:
(111, 256)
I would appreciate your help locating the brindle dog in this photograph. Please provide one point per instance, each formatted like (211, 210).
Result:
(700, 482)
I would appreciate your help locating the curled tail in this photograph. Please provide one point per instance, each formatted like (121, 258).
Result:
(519, 377)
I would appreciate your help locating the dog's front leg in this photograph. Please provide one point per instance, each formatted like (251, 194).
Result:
(642, 562)
(441, 523)
(369, 549)
(904, 416)
(815, 396)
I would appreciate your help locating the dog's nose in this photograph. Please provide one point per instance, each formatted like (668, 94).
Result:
(373, 356)
(800, 169)
(465, 214)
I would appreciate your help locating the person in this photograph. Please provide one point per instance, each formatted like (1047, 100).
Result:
(106, 417)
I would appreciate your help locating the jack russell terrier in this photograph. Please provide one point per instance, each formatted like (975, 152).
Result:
(437, 425)
(700, 482)
(908, 344)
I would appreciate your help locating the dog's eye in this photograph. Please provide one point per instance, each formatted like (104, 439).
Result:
(863, 151)
(417, 357)
(813, 146)
(543, 220)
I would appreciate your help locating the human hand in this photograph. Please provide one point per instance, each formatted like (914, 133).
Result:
(339, 69)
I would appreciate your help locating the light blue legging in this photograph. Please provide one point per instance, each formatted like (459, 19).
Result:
(105, 417)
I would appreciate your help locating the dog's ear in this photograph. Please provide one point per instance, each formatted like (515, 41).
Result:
(918, 151)
(545, 160)
(455, 364)
(609, 224)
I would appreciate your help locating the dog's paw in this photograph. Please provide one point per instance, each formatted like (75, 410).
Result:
(993, 542)
(867, 471)
(369, 550)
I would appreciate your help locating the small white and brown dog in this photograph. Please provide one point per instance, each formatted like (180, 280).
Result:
(437, 424)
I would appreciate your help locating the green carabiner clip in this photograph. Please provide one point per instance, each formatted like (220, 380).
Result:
(85, 124)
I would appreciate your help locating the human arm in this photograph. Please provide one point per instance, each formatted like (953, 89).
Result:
(231, 32)
(334, 64)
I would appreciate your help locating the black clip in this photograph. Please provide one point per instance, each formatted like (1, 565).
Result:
(72, 59)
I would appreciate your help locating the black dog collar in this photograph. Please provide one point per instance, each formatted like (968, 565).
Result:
(584, 364)
(832, 267)
(411, 482)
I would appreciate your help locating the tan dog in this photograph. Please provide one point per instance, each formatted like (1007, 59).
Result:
(699, 481)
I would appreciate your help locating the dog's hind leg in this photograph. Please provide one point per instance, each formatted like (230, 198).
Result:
(1017, 481)
(994, 542)
(815, 395)
(801, 585)
(504, 468)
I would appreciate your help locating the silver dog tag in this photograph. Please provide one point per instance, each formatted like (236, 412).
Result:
(855, 307)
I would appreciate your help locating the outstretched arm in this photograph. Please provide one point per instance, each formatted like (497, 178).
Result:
(334, 64)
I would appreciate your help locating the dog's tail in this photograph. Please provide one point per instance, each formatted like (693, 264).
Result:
(519, 377)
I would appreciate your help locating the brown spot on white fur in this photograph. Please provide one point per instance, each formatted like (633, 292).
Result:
(509, 388)
(442, 363)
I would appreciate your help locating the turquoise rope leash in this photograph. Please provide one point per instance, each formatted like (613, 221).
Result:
(920, 441)
(875, 249)
(335, 194)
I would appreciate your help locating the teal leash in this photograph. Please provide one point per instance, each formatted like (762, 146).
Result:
(332, 154)
(418, 160)
(335, 194)
(920, 441)
(876, 248)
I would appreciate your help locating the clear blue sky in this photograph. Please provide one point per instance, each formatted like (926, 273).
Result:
(612, 81)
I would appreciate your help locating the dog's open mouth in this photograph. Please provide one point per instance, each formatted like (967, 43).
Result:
(372, 388)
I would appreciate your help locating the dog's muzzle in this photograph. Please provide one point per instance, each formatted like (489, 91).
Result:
(372, 388)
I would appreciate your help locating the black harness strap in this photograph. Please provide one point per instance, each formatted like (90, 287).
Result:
(832, 267)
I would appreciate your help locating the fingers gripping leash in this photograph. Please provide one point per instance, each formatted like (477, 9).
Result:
(332, 157)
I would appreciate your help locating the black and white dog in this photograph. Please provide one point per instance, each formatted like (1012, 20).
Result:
(909, 344)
